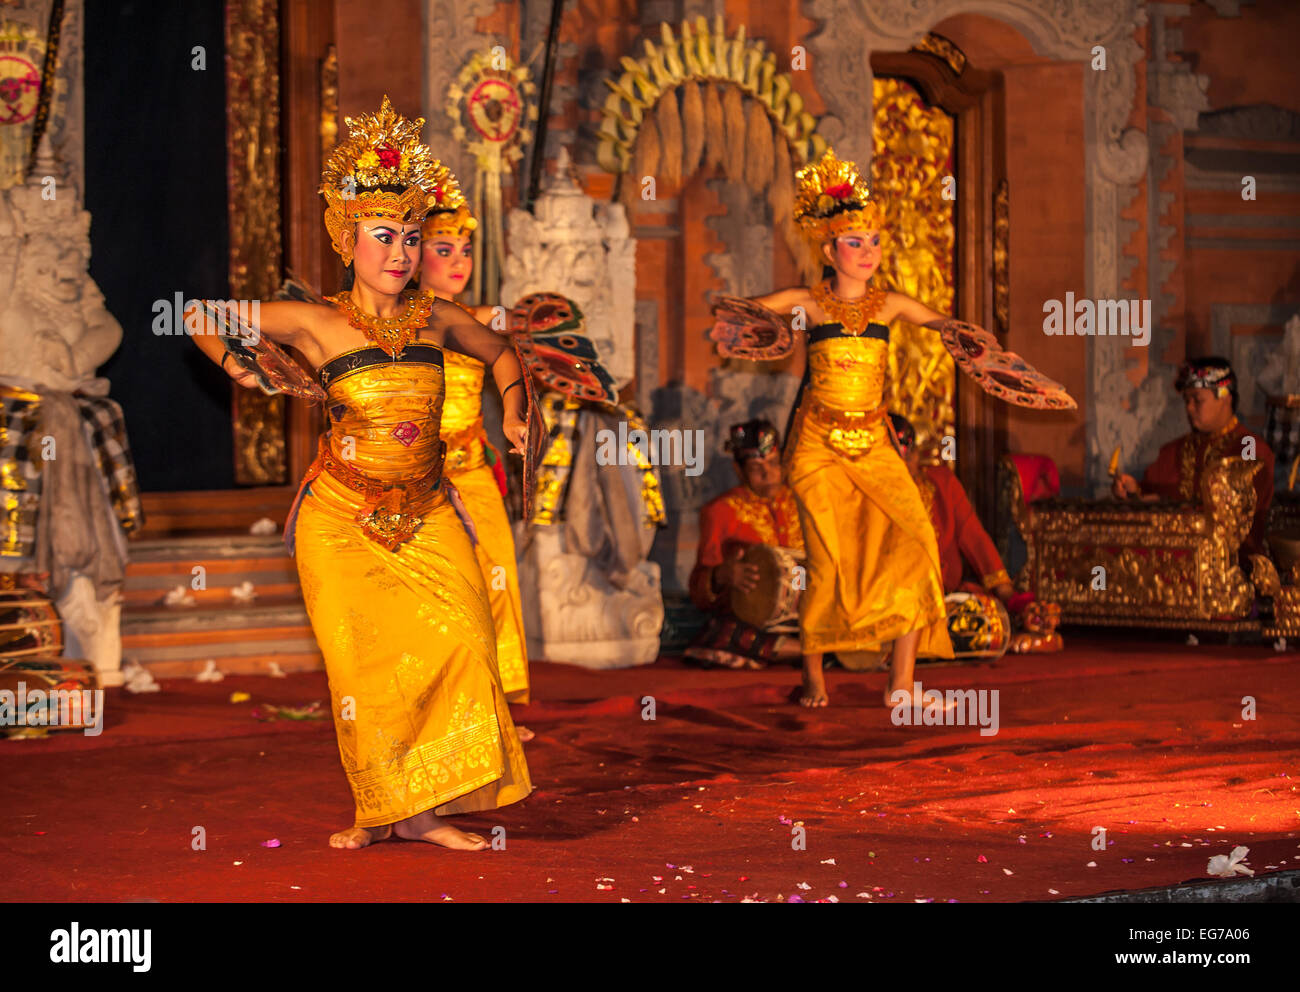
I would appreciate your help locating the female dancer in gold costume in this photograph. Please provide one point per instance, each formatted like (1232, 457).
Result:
(873, 566)
(388, 571)
(445, 267)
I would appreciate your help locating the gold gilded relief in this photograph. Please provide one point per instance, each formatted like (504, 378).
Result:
(253, 189)
(913, 149)
(1163, 565)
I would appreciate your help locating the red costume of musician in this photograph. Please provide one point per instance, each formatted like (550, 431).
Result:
(1209, 389)
(761, 510)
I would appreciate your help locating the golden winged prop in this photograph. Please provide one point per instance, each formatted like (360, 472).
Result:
(745, 329)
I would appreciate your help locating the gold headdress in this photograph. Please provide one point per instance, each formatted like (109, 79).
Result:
(382, 149)
(450, 215)
(832, 198)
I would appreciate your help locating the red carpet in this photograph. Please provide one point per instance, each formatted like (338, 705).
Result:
(703, 802)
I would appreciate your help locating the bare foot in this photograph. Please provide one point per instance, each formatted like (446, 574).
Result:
(814, 686)
(907, 698)
(434, 830)
(525, 735)
(355, 838)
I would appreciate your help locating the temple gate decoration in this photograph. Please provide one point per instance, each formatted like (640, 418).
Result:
(22, 53)
(491, 104)
(912, 164)
(253, 184)
(706, 98)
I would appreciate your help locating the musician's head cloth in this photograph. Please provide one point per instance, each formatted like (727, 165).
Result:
(753, 439)
(1209, 372)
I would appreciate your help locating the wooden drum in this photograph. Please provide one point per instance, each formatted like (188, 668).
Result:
(773, 604)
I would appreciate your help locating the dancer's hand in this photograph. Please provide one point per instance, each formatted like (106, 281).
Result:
(516, 432)
(238, 373)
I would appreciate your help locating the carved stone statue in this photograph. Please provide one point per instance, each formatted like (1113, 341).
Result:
(573, 245)
(54, 333)
(579, 607)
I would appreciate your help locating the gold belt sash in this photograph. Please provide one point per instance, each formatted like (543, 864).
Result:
(386, 518)
(850, 430)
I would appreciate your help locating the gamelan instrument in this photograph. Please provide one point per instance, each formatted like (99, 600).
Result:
(773, 603)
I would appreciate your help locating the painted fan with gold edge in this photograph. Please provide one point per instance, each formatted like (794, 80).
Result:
(745, 329)
(272, 366)
(1000, 373)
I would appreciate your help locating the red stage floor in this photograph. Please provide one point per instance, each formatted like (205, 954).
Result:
(703, 802)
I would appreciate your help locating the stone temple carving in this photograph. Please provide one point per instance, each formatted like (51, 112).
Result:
(575, 610)
(573, 245)
(54, 333)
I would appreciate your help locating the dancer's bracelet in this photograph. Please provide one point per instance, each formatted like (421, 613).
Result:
(517, 382)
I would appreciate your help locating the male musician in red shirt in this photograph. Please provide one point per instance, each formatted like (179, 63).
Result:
(761, 510)
(1209, 389)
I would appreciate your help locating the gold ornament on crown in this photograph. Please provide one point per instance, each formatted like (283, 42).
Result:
(450, 216)
(832, 198)
(382, 149)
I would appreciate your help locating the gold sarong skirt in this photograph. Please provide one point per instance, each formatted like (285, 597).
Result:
(409, 649)
(872, 559)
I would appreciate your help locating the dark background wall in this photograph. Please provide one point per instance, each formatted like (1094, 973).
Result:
(156, 190)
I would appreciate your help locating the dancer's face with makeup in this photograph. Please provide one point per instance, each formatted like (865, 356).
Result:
(446, 264)
(387, 254)
(855, 254)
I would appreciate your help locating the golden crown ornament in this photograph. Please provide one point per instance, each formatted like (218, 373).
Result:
(832, 198)
(450, 215)
(381, 150)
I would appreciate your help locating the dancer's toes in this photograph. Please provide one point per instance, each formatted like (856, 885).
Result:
(814, 694)
(355, 838)
(525, 735)
(433, 830)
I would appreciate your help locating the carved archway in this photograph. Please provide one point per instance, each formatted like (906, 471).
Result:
(705, 98)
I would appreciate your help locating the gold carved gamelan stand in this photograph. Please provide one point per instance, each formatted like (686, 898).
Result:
(1144, 564)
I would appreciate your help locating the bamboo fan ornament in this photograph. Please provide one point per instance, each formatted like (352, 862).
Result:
(735, 111)
(670, 139)
(491, 105)
(733, 114)
(759, 153)
(714, 133)
(692, 127)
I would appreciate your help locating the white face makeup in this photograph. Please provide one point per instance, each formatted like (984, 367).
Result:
(856, 254)
(387, 254)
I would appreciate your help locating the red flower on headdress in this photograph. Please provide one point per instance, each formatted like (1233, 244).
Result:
(389, 157)
(841, 191)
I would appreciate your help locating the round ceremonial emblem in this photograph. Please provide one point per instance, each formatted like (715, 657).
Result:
(20, 86)
(494, 108)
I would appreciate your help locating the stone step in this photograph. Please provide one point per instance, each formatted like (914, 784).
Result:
(242, 638)
(158, 566)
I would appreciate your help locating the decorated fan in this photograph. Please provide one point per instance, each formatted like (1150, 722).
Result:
(749, 330)
(548, 332)
(1003, 374)
(275, 370)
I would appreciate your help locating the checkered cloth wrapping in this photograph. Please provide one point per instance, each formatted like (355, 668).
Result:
(107, 426)
(20, 473)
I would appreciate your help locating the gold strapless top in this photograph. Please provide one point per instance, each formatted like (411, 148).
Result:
(385, 415)
(463, 403)
(848, 373)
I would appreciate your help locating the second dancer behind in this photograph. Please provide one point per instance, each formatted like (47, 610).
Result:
(473, 464)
